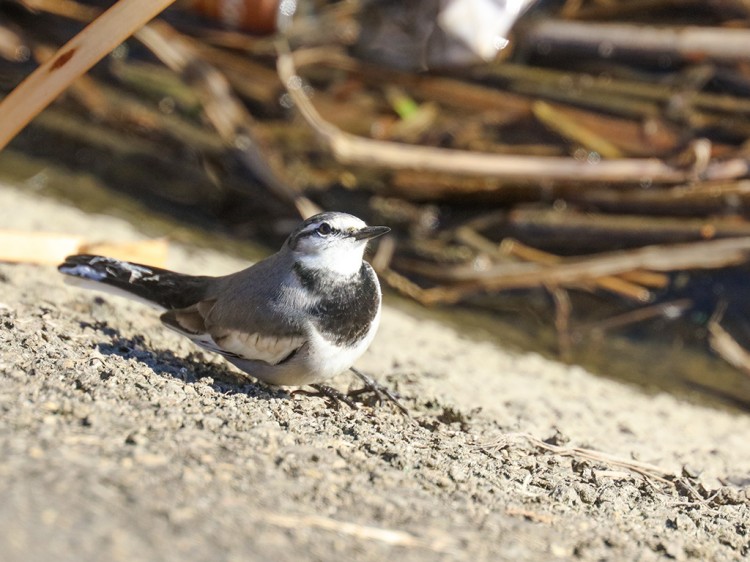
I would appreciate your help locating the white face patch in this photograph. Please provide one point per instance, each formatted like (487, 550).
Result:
(342, 257)
(335, 251)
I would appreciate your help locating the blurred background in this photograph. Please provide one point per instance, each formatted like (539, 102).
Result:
(569, 177)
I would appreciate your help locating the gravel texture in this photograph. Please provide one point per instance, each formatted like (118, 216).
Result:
(119, 440)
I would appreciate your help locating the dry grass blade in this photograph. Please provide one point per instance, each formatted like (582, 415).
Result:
(394, 537)
(647, 137)
(574, 130)
(71, 61)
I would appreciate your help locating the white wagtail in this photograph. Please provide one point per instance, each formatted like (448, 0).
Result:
(298, 317)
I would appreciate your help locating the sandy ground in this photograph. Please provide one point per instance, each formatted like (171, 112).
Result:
(121, 441)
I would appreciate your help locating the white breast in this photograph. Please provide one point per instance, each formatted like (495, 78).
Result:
(326, 359)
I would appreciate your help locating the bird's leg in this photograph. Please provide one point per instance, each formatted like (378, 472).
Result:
(381, 391)
(332, 396)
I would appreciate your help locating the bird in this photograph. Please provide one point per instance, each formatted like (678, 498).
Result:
(298, 317)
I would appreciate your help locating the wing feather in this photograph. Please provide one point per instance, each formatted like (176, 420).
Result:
(269, 349)
(191, 322)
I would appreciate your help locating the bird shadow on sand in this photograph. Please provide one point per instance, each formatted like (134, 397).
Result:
(190, 369)
(195, 367)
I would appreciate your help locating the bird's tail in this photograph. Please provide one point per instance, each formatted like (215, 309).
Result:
(156, 287)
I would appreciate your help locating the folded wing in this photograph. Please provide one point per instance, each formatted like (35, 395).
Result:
(270, 349)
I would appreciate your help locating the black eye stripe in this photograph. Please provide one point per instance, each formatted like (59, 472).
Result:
(310, 232)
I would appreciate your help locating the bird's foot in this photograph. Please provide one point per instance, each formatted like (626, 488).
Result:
(381, 392)
(333, 397)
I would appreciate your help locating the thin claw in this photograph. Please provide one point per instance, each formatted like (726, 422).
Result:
(333, 397)
(381, 391)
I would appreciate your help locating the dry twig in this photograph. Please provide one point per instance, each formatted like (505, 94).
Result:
(626, 288)
(671, 310)
(468, 280)
(646, 470)
(724, 344)
(609, 39)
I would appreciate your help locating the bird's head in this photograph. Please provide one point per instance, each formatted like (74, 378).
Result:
(332, 242)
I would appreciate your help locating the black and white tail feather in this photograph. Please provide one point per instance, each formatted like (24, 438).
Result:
(158, 288)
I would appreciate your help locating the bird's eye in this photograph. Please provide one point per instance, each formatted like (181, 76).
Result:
(325, 229)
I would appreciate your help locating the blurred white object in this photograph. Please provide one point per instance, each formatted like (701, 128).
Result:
(482, 25)
(425, 34)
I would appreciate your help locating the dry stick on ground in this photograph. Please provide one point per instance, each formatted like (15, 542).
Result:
(636, 278)
(350, 149)
(563, 307)
(468, 280)
(646, 470)
(52, 248)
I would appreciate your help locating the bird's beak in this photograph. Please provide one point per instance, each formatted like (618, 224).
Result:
(370, 232)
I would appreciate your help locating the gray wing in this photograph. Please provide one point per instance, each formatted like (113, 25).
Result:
(246, 315)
